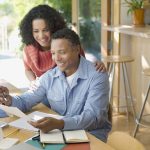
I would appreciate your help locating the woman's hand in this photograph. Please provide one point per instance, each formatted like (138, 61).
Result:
(47, 124)
(5, 98)
(100, 66)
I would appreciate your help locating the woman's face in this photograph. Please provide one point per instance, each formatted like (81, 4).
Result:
(41, 33)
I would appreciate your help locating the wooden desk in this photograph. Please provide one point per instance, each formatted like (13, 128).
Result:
(23, 135)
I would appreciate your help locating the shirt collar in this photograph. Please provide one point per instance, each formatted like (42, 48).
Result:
(81, 71)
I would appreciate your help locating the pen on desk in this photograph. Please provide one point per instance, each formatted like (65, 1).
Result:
(43, 145)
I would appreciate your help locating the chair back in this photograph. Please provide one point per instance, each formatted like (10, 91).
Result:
(110, 112)
(123, 141)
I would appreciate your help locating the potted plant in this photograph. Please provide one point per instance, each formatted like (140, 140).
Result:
(137, 10)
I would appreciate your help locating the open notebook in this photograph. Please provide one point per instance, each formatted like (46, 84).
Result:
(57, 136)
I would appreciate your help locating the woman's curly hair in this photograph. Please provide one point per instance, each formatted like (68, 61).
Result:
(52, 17)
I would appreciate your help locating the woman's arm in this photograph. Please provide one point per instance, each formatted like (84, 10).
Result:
(30, 75)
(99, 65)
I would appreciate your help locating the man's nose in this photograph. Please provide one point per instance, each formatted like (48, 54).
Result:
(57, 57)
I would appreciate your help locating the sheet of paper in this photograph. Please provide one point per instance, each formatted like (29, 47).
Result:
(7, 143)
(23, 146)
(12, 110)
(22, 123)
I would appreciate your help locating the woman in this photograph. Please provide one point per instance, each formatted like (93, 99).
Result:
(36, 29)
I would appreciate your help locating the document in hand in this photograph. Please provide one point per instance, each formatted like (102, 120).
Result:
(36, 115)
(57, 136)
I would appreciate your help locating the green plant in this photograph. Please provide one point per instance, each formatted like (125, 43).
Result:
(134, 4)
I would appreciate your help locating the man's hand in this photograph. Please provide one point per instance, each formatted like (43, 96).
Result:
(5, 98)
(100, 66)
(47, 124)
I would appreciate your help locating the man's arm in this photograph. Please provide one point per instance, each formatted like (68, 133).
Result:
(26, 100)
(30, 75)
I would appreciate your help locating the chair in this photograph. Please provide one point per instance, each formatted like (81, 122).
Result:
(146, 72)
(123, 141)
(121, 61)
(110, 112)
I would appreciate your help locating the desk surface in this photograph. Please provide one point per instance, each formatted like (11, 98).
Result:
(22, 135)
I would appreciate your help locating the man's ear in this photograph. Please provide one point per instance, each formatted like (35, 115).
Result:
(78, 49)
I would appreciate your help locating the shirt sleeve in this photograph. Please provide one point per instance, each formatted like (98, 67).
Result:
(27, 100)
(94, 114)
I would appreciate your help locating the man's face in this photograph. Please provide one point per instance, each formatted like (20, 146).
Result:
(65, 55)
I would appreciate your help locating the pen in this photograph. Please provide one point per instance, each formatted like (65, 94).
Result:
(38, 139)
(43, 145)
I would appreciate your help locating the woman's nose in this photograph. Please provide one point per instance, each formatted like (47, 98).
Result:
(41, 34)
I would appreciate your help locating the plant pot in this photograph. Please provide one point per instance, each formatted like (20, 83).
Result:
(138, 17)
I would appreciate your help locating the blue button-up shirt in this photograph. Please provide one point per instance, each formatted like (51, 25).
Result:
(84, 105)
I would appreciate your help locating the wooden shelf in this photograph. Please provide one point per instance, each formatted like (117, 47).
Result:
(130, 30)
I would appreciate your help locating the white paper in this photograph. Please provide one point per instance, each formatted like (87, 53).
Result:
(7, 143)
(12, 110)
(1, 134)
(23, 124)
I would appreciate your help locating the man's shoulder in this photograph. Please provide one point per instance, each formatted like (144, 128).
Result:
(52, 72)
(89, 68)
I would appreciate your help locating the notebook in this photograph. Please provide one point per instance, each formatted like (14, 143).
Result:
(57, 136)
(75, 136)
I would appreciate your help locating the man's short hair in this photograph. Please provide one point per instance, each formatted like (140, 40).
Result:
(67, 34)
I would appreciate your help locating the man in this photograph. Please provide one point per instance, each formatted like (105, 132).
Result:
(74, 89)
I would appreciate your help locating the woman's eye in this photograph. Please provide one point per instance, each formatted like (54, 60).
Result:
(46, 30)
(35, 31)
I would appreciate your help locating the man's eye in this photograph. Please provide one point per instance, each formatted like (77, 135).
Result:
(62, 52)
